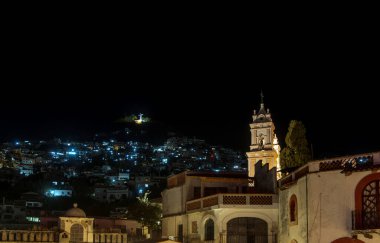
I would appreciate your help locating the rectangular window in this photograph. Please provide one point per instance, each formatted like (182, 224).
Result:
(214, 190)
(180, 233)
(194, 227)
(197, 192)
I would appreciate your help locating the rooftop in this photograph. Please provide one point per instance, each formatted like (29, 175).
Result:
(75, 212)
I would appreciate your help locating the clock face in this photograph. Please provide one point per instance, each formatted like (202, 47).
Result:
(261, 133)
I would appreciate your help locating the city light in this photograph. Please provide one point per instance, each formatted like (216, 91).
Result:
(33, 219)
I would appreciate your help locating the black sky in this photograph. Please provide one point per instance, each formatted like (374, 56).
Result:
(204, 87)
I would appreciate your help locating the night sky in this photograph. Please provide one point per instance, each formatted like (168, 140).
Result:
(205, 90)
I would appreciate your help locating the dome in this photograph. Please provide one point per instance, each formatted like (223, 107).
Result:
(75, 212)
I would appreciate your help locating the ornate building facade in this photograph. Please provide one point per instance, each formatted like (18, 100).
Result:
(73, 227)
(217, 207)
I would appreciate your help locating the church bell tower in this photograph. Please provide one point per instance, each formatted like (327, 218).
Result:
(264, 143)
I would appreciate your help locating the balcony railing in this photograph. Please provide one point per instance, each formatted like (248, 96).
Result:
(28, 236)
(365, 220)
(110, 237)
(226, 200)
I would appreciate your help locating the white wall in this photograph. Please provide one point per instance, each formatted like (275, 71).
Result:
(331, 202)
(170, 225)
(172, 201)
(289, 231)
(328, 207)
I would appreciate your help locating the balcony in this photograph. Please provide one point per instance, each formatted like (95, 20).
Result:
(232, 200)
(365, 220)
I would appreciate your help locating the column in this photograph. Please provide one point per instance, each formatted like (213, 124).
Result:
(25, 236)
(31, 236)
(44, 236)
(4, 235)
(38, 236)
(51, 236)
(11, 236)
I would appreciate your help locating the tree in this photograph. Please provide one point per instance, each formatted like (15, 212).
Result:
(297, 152)
(145, 212)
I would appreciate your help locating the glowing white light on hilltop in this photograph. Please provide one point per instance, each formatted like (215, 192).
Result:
(140, 120)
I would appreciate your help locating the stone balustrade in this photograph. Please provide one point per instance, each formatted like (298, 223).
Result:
(110, 238)
(13, 236)
(28, 236)
(232, 200)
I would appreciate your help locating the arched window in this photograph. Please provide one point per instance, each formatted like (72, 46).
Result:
(209, 229)
(367, 202)
(371, 203)
(76, 233)
(293, 209)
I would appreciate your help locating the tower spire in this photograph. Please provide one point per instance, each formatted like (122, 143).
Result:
(262, 108)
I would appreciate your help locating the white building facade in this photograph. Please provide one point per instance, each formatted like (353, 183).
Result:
(202, 207)
(334, 200)
(111, 194)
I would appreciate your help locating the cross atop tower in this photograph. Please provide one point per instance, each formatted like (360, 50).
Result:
(262, 107)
